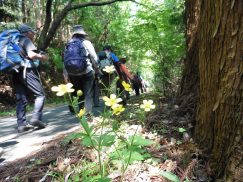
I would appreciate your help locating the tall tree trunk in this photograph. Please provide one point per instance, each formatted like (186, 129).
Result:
(219, 121)
(23, 9)
(190, 84)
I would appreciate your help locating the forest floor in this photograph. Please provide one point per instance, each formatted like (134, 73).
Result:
(173, 150)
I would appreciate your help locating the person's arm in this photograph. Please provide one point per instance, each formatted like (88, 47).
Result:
(88, 45)
(30, 50)
(34, 55)
(92, 54)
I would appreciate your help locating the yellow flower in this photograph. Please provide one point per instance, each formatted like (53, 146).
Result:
(147, 105)
(109, 69)
(126, 86)
(81, 112)
(79, 93)
(63, 89)
(117, 109)
(112, 100)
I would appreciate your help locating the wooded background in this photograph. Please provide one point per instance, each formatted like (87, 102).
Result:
(190, 49)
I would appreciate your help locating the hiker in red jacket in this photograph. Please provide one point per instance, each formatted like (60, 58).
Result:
(124, 75)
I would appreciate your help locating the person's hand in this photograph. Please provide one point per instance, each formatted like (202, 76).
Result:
(44, 57)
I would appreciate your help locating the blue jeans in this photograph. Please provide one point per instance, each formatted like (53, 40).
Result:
(23, 85)
(84, 83)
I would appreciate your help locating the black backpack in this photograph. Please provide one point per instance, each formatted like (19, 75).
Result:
(75, 57)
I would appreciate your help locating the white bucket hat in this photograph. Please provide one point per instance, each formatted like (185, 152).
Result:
(78, 29)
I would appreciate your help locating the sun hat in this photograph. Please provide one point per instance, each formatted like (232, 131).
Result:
(78, 29)
(23, 28)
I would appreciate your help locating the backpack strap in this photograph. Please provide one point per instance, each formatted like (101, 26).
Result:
(24, 54)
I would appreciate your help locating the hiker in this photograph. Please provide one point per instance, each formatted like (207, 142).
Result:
(125, 75)
(80, 64)
(137, 83)
(107, 58)
(28, 79)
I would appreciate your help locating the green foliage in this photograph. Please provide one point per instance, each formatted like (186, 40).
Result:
(55, 56)
(127, 156)
(89, 171)
(151, 36)
(140, 141)
(170, 176)
(9, 11)
(181, 130)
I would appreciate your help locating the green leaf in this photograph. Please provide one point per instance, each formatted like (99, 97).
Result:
(134, 157)
(85, 125)
(115, 125)
(104, 180)
(125, 155)
(181, 130)
(71, 137)
(76, 178)
(140, 141)
(107, 140)
(170, 176)
(89, 142)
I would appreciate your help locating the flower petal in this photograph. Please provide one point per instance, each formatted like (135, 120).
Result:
(55, 89)
(60, 93)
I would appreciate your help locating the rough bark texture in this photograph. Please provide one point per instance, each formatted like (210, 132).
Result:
(219, 122)
(190, 79)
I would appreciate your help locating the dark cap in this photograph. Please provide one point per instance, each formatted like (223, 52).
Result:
(23, 28)
(107, 47)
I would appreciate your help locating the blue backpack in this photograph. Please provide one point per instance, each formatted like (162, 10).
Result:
(75, 57)
(11, 54)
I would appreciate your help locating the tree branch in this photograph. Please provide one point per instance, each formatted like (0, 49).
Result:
(45, 38)
(47, 22)
(82, 5)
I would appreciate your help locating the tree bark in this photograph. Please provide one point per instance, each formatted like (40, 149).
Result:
(190, 84)
(219, 120)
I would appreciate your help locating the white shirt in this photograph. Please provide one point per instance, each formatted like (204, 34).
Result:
(91, 52)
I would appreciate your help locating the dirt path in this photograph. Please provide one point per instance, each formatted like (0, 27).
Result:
(16, 146)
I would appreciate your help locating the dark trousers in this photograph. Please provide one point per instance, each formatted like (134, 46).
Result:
(96, 93)
(29, 82)
(84, 83)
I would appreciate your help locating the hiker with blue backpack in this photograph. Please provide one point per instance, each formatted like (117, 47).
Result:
(21, 59)
(107, 58)
(80, 65)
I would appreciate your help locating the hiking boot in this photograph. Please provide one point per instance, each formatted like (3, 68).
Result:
(37, 123)
(23, 128)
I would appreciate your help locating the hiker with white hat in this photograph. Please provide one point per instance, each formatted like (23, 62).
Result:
(80, 66)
